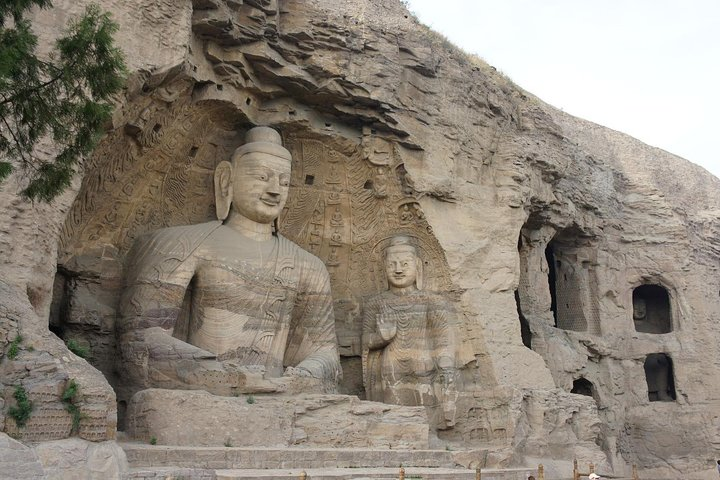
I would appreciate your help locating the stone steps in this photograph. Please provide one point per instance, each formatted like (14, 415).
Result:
(155, 462)
(374, 473)
(226, 458)
(170, 473)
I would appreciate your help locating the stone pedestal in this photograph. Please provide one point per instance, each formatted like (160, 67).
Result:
(197, 418)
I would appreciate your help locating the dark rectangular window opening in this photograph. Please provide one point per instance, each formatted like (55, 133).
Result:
(660, 378)
(651, 309)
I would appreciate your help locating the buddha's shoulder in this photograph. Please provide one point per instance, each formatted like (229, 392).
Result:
(178, 238)
(433, 296)
(287, 246)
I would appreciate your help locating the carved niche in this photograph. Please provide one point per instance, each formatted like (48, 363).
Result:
(346, 201)
(344, 207)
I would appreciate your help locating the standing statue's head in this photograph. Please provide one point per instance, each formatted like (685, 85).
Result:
(255, 185)
(402, 263)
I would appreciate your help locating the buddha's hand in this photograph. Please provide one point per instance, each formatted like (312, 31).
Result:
(297, 372)
(214, 376)
(299, 379)
(386, 328)
(446, 371)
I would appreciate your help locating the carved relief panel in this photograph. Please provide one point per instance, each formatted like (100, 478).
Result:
(346, 200)
(155, 173)
(344, 207)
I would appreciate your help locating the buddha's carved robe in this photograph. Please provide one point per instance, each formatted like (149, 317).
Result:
(205, 292)
(402, 370)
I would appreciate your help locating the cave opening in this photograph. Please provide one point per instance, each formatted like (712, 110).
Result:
(660, 377)
(571, 259)
(59, 303)
(651, 309)
(525, 332)
(552, 276)
(583, 386)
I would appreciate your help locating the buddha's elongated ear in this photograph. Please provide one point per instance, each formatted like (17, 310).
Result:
(223, 189)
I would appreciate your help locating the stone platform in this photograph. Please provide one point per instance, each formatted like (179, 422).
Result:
(227, 458)
(148, 462)
(376, 473)
(197, 418)
(329, 474)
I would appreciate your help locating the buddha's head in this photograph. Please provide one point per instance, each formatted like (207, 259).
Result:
(639, 309)
(256, 183)
(402, 264)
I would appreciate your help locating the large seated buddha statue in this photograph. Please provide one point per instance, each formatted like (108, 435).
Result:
(230, 306)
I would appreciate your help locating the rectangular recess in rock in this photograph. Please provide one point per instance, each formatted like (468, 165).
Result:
(651, 309)
(660, 377)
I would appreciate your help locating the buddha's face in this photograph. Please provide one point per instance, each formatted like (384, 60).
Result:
(639, 309)
(401, 268)
(260, 186)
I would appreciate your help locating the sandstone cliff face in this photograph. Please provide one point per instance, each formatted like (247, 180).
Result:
(539, 226)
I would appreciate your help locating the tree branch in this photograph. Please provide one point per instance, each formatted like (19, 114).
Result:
(24, 160)
(30, 91)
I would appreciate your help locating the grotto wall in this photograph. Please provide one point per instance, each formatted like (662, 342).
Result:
(520, 210)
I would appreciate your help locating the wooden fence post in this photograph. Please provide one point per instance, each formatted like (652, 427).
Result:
(402, 474)
(541, 472)
(478, 473)
(576, 474)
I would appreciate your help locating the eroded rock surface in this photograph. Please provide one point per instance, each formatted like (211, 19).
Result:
(198, 418)
(536, 225)
(71, 459)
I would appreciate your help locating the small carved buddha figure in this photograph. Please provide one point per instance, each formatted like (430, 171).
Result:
(639, 312)
(408, 344)
(337, 219)
(406, 215)
(229, 306)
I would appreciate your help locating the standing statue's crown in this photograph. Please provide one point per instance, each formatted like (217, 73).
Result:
(401, 243)
(263, 140)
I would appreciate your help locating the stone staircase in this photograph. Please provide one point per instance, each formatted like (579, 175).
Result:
(153, 462)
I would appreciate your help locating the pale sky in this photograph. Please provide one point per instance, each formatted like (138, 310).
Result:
(648, 68)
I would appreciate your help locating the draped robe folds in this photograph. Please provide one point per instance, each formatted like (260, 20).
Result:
(402, 370)
(252, 303)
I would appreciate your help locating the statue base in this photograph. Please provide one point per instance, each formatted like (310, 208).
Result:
(198, 418)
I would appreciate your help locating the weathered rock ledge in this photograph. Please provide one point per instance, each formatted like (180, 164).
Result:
(539, 226)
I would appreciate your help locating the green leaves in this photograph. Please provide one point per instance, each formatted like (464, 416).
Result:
(67, 99)
(77, 348)
(70, 398)
(16, 8)
(14, 347)
(23, 408)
